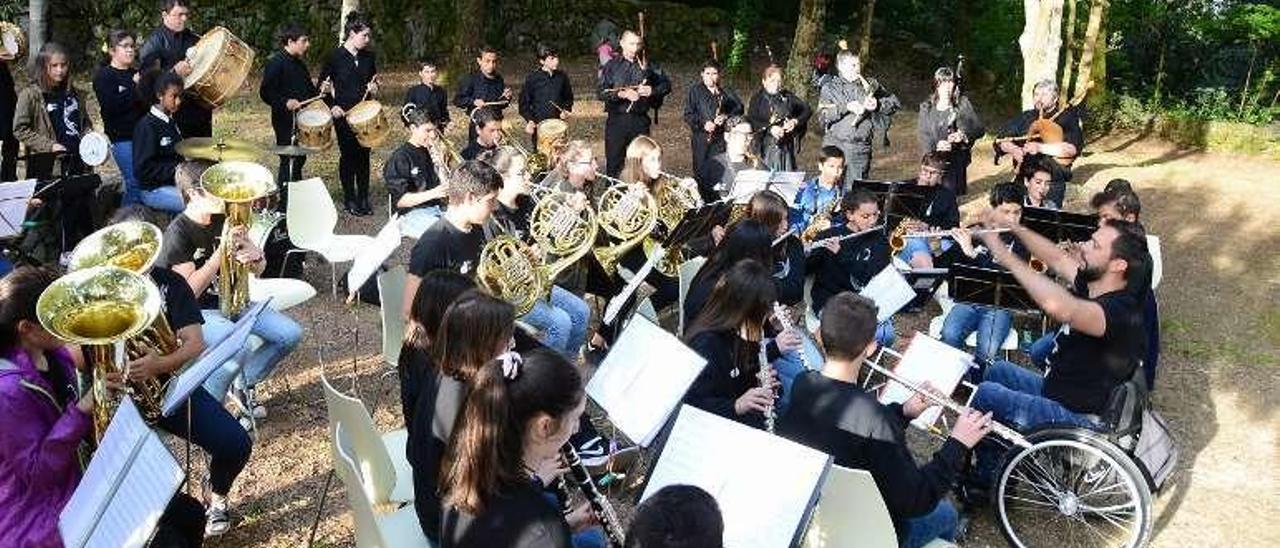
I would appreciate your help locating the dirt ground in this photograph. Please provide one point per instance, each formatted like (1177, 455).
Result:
(1219, 382)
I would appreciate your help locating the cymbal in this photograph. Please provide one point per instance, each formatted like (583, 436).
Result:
(218, 150)
(292, 150)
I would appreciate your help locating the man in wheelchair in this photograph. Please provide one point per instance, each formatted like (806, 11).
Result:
(1098, 346)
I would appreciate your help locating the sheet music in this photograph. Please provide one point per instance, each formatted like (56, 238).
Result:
(126, 488)
(931, 360)
(370, 258)
(212, 358)
(748, 182)
(643, 378)
(13, 206)
(890, 291)
(765, 484)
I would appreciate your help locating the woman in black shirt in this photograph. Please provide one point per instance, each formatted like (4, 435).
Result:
(116, 87)
(948, 124)
(779, 117)
(748, 240)
(506, 450)
(474, 329)
(730, 334)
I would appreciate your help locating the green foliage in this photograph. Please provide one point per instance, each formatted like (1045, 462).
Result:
(745, 17)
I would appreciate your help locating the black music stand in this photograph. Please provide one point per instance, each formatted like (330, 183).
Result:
(899, 200)
(1060, 226)
(988, 286)
(925, 282)
(698, 222)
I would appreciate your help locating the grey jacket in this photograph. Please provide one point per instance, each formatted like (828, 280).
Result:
(841, 125)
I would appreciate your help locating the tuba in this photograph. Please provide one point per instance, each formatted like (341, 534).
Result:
(99, 308)
(628, 213)
(238, 184)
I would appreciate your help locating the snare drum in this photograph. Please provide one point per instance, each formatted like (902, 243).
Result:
(219, 64)
(13, 41)
(369, 123)
(315, 126)
(94, 148)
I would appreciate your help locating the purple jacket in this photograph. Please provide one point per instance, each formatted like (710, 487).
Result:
(39, 464)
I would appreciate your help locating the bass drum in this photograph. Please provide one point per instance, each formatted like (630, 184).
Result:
(270, 232)
(219, 64)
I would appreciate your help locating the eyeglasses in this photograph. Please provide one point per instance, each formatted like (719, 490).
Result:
(930, 171)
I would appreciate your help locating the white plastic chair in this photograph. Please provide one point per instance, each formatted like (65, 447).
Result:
(687, 271)
(1157, 261)
(384, 468)
(850, 513)
(391, 295)
(312, 218)
(395, 526)
(285, 293)
(1009, 344)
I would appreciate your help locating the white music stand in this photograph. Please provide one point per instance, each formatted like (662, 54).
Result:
(14, 198)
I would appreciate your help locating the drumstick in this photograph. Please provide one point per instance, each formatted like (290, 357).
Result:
(558, 107)
(311, 100)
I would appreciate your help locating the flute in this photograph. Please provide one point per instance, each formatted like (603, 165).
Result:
(600, 506)
(837, 239)
(947, 233)
(998, 429)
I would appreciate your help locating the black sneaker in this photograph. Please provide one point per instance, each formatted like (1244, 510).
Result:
(351, 208)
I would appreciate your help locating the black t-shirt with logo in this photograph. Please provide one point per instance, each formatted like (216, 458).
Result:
(186, 241)
(444, 246)
(1083, 369)
(181, 308)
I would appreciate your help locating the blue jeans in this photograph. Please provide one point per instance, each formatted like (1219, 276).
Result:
(279, 334)
(1013, 395)
(122, 152)
(165, 198)
(884, 333)
(562, 321)
(992, 325)
(941, 523)
(789, 366)
(916, 246)
(417, 221)
(1040, 350)
(215, 431)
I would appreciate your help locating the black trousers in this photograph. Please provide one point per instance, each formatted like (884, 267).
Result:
(957, 175)
(620, 128)
(702, 148)
(353, 163)
(290, 167)
(9, 159)
(857, 160)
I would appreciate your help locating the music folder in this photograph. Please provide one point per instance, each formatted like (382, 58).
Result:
(890, 291)
(370, 258)
(899, 200)
(124, 490)
(181, 387)
(14, 197)
(927, 360)
(750, 181)
(988, 286)
(643, 378)
(1058, 225)
(766, 485)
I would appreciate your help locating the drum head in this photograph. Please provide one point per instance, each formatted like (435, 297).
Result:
(10, 41)
(94, 148)
(314, 117)
(205, 54)
(552, 125)
(363, 111)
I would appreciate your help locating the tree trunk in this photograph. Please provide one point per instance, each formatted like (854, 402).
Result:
(348, 6)
(469, 37)
(1072, 45)
(1040, 43)
(1097, 13)
(864, 41)
(37, 28)
(804, 45)
(1098, 74)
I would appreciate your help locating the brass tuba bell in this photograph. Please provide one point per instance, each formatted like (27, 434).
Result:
(238, 184)
(98, 308)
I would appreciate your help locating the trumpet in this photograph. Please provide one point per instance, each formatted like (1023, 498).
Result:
(1009, 434)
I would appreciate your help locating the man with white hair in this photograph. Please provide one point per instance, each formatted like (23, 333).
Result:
(1051, 152)
(852, 109)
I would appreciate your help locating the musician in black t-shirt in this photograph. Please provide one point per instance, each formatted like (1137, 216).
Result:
(488, 124)
(1101, 340)
(455, 241)
(942, 213)
(494, 497)
(352, 72)
(411, 178)
(830, 412)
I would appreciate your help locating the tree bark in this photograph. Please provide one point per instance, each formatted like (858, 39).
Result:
(864, 41)
(1040, 43)
(37, 28)
(348, 6)
(804, 45)
(469, 35)
(1097, 13)
(1072, 45)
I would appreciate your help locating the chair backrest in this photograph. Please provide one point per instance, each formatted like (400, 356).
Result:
(311, 212)
(687, 271)
(377, 473)
(1157, 260)
(850, 513)
(391, 295)
(367, 532)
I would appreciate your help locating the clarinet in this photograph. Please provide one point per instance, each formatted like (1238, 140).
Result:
(600, 506)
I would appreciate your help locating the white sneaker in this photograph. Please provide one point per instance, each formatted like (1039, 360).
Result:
(217, 520)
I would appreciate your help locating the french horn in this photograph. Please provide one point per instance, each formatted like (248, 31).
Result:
(627, 213)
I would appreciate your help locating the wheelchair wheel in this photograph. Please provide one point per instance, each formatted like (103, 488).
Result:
(1072, 487)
